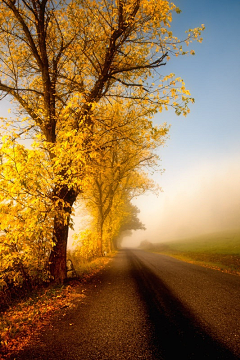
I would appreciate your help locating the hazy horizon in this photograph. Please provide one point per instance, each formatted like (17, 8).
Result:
(202, 200)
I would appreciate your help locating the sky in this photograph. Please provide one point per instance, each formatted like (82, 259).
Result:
(201, 182)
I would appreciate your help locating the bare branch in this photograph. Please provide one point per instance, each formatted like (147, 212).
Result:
(155, 64)
(14, 93)
(129, 84)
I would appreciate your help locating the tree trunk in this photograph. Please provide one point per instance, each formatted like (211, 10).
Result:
(100, 240)
(99, 246)
(58, 256)
(100, 235)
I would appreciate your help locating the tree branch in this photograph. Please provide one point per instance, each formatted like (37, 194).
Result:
(155, 64)
(129, 84)
(24, 104)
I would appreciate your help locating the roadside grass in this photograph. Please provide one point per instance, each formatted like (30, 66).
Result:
(27, 316)
(220, 250)
(87, 269)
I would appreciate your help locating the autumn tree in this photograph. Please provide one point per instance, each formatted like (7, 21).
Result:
(121, 220)
(127, 149)
(60, 62)
(110, 214)
(129, 224)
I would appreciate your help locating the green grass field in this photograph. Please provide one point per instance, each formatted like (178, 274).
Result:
(219, 250)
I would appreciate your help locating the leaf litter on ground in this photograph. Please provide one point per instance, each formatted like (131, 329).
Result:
(27, 317)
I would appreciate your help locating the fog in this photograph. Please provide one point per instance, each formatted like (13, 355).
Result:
(197, 199)
(201, 199)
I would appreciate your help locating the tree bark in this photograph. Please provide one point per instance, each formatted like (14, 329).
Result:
(58, 256)
(99, 246)
(100, 239)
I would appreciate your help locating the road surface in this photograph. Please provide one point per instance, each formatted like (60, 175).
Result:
(148, 306)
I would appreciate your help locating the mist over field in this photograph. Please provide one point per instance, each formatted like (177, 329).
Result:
(203, 199)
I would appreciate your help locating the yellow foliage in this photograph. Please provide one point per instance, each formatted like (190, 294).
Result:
(25, 212)
(86, 244)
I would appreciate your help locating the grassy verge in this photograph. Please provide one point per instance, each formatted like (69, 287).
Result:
(28, 316)
(86, 269)
(219, 251)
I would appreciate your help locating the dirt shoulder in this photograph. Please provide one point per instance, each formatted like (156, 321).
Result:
(26, 318)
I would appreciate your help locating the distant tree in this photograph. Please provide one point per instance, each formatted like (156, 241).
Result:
(146, 245)
(130, 223)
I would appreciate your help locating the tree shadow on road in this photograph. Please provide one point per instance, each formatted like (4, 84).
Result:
(176, 331)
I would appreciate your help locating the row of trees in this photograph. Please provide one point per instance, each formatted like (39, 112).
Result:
(127, 151)
(80, 74)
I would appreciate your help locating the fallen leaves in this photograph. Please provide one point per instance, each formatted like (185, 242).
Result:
(19, 323)
(27, 318)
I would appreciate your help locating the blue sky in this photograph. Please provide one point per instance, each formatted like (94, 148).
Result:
(201, 182)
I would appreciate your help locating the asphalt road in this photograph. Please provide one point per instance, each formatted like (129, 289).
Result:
(148, 306)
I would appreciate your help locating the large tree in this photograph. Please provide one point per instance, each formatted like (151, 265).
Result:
(61, 61)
